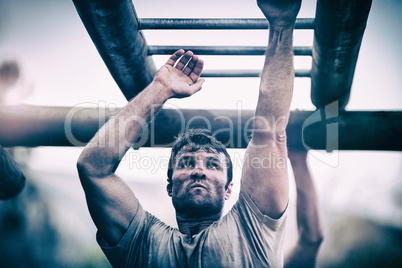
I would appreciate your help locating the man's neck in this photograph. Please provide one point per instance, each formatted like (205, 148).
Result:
(193, 225)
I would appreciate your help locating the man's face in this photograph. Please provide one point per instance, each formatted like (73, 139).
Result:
(199, 179)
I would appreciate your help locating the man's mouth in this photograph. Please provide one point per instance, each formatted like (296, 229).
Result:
(198, 185)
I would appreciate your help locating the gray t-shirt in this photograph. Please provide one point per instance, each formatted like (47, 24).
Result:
(242, 238)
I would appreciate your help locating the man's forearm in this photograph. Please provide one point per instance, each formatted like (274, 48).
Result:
(307, 210)
(269, 139)
(305, 251)
(276, 87)
(105, 150)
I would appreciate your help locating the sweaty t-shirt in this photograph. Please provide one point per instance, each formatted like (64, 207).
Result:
(242, 238)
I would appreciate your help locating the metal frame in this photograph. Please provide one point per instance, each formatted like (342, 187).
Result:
(338, 30)
(116, 31)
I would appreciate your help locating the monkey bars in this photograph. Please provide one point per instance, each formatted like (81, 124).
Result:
(338, 29)
(117, 33)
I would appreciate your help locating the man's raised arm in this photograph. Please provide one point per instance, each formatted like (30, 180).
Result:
(264, 172)
(111, 202)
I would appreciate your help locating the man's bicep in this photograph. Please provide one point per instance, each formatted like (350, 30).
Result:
(112, 205)
(265, 174)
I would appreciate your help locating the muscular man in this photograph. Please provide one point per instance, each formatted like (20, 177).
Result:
(199, 176)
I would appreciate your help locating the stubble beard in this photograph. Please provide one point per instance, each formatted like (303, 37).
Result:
(196, 204)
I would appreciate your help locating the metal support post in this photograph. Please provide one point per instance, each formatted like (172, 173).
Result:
(113, 27)
(338, 33)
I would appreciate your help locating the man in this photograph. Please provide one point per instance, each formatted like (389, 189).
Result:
(251, 234)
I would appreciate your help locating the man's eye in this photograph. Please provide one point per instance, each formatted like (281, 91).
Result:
(188, 163)
(212, 165)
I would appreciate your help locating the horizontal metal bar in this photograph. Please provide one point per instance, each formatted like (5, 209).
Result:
(215, 24)
(67, 126)
(245, 73)
(224, 50)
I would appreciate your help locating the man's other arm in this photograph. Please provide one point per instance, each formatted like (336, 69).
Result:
(304, 253)
(110, 201)
(265, 172)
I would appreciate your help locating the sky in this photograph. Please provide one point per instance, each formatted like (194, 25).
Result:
(61, 67)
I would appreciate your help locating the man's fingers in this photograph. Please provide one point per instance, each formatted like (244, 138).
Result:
(197, 86)
(184, 60)
(197, 70)
(190, 66)
(172, 60)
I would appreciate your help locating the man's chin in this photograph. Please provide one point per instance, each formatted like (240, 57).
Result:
(198, 204)
(198, 191)
(198, 199)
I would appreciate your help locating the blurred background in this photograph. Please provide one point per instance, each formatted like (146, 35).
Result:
(359, 192)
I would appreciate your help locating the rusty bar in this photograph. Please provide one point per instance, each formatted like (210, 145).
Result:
(245, 73)
(339, 29)
(215, 24)
(224, 50)
(113, 27)
(63, 126)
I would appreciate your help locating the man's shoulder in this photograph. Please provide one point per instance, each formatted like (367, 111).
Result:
(249, 213)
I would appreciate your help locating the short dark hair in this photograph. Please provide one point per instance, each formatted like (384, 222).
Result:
(198, 139)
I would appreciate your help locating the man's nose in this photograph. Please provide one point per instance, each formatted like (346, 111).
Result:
(198, 174)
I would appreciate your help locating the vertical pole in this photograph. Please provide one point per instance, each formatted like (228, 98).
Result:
(12, 179)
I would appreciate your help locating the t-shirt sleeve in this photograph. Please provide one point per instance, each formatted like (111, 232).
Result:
(246, 202)
(120, 255)
(264, 235)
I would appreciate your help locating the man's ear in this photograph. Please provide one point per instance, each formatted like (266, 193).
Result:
(169, 189)
(229, 191)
